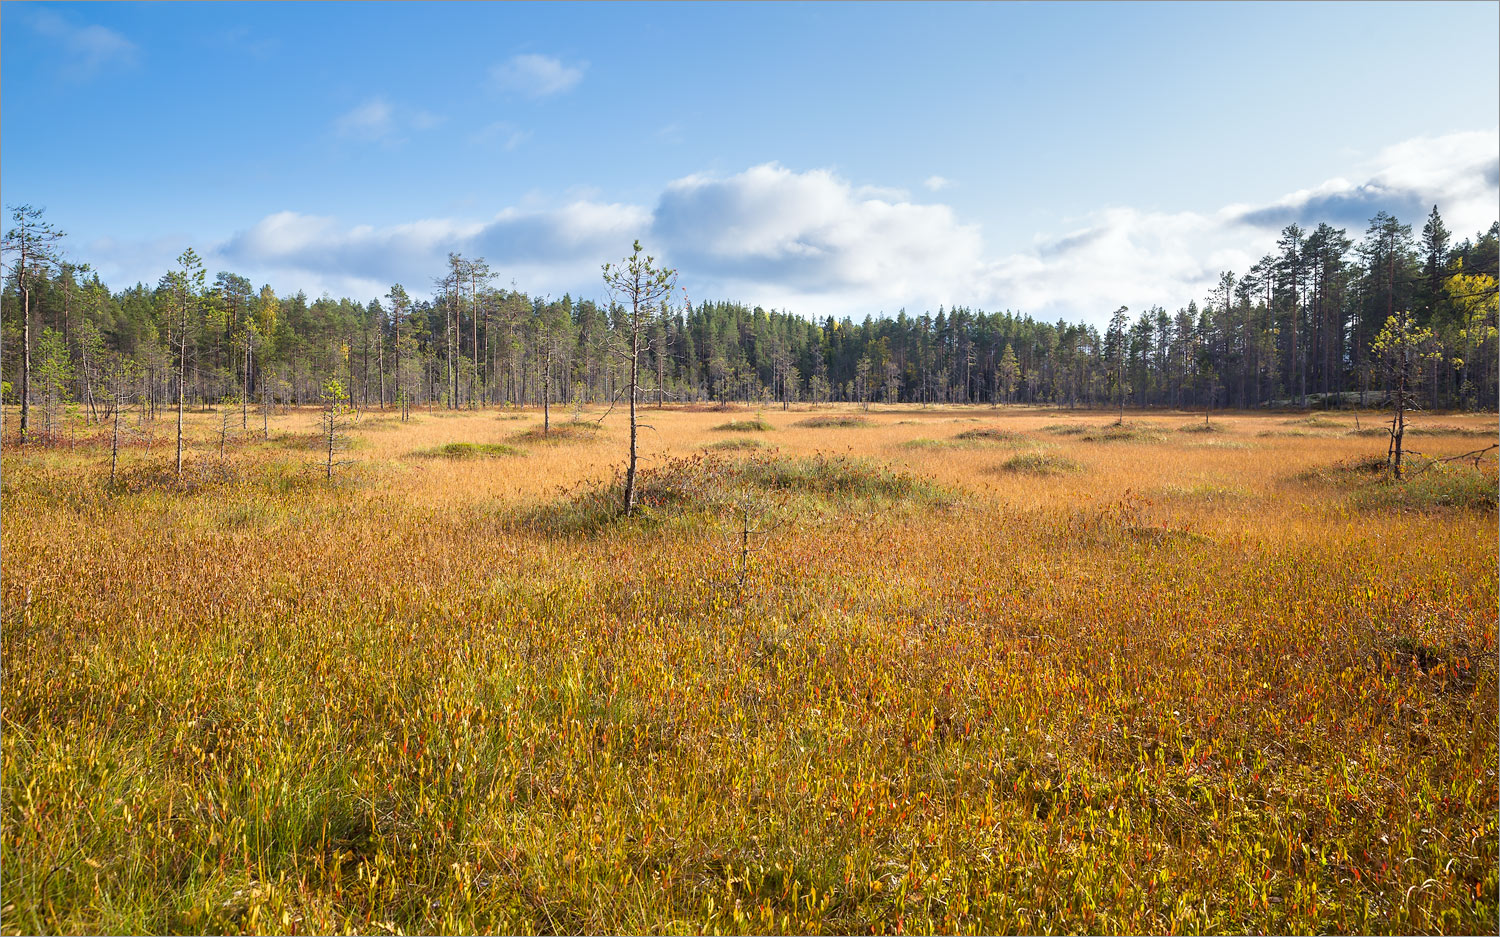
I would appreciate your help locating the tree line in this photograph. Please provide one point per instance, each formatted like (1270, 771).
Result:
(1299, 328)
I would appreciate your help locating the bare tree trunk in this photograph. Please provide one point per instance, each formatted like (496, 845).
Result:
(635, 363)
(1398, 428)
(114, 443)
(25, 359)
(181, 392)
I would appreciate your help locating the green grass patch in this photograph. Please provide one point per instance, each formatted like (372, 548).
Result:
(990, 434)
(1427, 485)
(1040, 463)
(1065, 429)
(735, 445)
(753, 425)
(1430, 486)
(1124, 432)
(470, 450)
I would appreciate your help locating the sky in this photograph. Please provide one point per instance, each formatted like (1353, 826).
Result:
(1055, 159)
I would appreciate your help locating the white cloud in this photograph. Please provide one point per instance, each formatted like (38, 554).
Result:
(378, 120)
(936, 183)
(537, 76)
(371, 120)
(788, 237)
(86, 49)
(812, 242)
(1458, 172)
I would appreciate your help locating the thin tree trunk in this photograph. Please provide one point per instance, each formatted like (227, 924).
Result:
(114, 444)
(635, 350)
(25, 360)
(181, 390)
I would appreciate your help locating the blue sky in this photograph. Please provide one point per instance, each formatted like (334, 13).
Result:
(1058, 159)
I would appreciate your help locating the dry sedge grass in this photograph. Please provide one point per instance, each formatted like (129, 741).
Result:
(1216, 683)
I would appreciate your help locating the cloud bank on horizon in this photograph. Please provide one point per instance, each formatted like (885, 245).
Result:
(813, 243)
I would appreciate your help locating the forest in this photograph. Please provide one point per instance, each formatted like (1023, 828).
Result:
(1296, 329)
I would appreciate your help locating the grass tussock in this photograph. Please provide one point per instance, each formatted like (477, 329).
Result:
(702, 488)
(834, 422)
(1202, 427)
(1433, 486)
(561, 432)
(924, 442)
(1041, 463)
(1426, 484)
(990, 434)
(1124, 432)
(754, 425)
(470, 450)
(1066, 429)
(740, 444)
(1317, 420)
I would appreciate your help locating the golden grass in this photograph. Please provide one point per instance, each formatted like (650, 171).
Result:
(1187, 688)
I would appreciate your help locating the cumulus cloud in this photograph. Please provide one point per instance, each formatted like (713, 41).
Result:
(792, 236)
(86, 49)
(555, 249)
(936, 183)
(537, 76)
(815, 243)
(1457, 172)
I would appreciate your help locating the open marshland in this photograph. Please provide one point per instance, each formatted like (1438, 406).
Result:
(906, 670)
